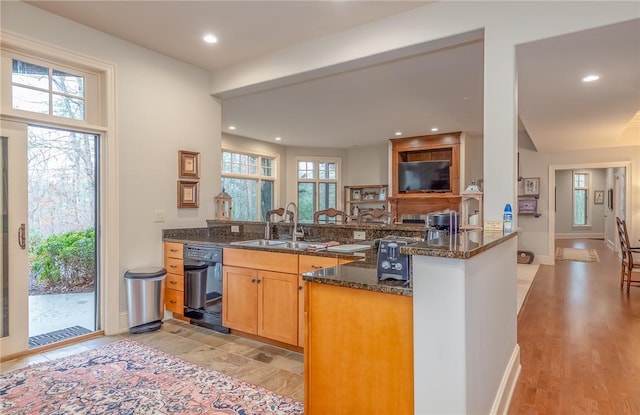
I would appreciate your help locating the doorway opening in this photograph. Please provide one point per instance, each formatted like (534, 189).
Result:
(62, 218)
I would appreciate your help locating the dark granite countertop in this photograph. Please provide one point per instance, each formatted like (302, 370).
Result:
(360, 275)
(463, 245)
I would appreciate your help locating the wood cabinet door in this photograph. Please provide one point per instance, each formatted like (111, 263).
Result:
(173, 250)
(301, 284)
(240, 298)
(174, 301)
(278, 306)
(311, 263)
(308, 263)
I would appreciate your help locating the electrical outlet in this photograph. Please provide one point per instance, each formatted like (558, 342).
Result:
(159, 216)
(359, 235)
(235, 228)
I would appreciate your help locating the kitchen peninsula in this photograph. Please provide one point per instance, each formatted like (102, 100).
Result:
(456, 332)
(445, 343)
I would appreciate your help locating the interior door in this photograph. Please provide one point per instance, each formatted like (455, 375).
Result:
(15, 284)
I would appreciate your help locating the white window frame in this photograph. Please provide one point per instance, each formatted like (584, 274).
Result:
(93, 107)
(100, 118)
(587, 199)
(258, 177)
(338, 180)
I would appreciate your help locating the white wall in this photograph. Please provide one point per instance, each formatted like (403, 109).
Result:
(367, 165)
(162, 106)
(505, 24)
(564, 205)
(534, 231)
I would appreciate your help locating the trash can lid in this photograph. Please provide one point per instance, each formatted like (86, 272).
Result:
(146, 272)
(192, 265)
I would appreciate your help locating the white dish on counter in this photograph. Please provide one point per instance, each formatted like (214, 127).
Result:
(348, 248)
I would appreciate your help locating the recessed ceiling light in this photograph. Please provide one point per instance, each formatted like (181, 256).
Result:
(278, 138)
(398, 132)
(434, 129)
(209, 38)
(590, 78)
(232, 127)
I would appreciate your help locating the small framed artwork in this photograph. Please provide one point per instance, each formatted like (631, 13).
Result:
(188, 194)
(188, 164)
(598, 197)
(531, 186)
(355, 194)
(528, 206)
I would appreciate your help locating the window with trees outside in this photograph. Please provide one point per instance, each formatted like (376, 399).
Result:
(250, 180)
(317, 186)
(46, 90)
(580, 199)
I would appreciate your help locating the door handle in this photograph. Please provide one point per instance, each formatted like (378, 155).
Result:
(21, 237)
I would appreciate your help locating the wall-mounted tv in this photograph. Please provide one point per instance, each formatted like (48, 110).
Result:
(424, 176)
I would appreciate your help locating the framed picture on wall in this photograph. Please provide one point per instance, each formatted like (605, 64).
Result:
(531, 186)
(188, 195)
(188, 164)
(598, 197)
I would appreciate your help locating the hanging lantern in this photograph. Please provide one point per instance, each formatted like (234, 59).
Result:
(223, 206)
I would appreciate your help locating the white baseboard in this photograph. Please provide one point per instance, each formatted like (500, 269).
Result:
(579, 235)
(508, 384)
(544, 260)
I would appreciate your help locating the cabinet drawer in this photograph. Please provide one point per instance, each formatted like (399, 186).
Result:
(174, 301)
(173, 250)
(175, 282)
(312, 263)
(174, 266)
(269, 261)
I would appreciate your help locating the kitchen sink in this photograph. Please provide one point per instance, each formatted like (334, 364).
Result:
(273, 243)
(259, 242)
(295, 245)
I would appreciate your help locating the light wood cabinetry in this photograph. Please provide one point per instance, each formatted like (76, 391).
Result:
(358, 351)
(425, 148)
(308, 263)
(174, 264)
(260, 293)
(365, 197)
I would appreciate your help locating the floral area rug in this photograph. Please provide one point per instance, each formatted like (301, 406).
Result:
(574, 254)
(126, 377)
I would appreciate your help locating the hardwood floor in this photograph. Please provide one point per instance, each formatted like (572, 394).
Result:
(579, 337)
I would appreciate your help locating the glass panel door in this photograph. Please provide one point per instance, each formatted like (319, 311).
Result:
(14, 284)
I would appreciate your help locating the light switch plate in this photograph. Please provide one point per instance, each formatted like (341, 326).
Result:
(235, 228)
(159, 216)
(359, 235)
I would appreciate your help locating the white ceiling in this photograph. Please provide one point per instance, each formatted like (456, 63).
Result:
(367, 106)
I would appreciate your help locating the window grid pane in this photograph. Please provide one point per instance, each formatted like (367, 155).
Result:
(580, 207)
(32, 100)
(306, 201)
(306, 170)
(68, 107)
(47, 91)
(30, 75)
(67, 84)
(244, 195)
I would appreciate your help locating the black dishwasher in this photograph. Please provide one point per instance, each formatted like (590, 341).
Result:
(203, 286)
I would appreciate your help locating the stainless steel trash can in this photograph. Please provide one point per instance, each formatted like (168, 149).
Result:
(145, 298)
(195, 279)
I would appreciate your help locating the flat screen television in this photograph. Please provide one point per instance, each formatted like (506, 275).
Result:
(424, 176)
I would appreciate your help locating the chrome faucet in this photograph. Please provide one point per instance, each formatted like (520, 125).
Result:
(296, 233)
